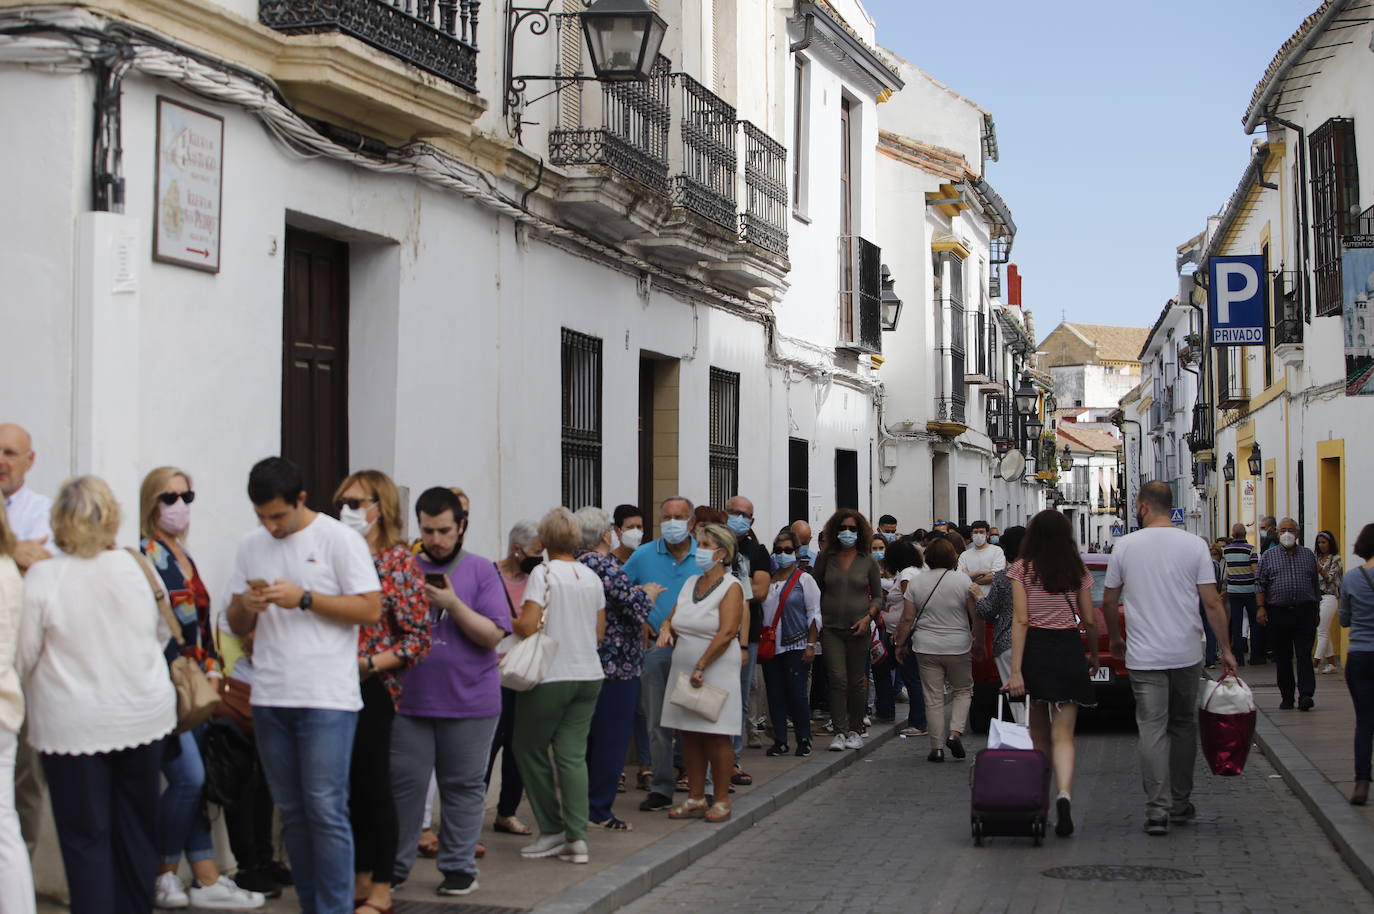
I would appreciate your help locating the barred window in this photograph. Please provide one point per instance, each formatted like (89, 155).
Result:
(1335, 205)
(724, 436)
(581, 419)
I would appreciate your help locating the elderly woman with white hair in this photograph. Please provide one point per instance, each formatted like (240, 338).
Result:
(622, 660)
(100, 702)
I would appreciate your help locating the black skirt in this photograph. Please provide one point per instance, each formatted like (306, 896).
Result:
(1054, 668)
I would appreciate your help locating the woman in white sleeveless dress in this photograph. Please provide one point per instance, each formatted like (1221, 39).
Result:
(705, 628)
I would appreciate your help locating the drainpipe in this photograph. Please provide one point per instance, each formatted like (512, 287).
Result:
(1304, 246)
(808, 35)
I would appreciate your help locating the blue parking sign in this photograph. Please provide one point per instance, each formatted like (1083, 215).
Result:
(1237, 299)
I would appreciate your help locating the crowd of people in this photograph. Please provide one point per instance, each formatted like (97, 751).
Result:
(359, 672)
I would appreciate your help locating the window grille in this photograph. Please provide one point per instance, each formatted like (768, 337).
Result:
(581, 419)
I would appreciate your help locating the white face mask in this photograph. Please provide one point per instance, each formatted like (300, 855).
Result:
(631, 539)
(1288, 540)
(356, 519)
(615, 540)
(979, 539)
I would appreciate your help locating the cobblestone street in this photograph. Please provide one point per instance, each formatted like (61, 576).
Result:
(891, 834)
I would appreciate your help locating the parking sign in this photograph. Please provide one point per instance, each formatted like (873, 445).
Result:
(1238, 298)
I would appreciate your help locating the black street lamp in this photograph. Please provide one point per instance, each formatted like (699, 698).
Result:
(1255, 462)
(1025, 396)
(1066, 459)
(1228, 469)
(623, 38)
(891, 304)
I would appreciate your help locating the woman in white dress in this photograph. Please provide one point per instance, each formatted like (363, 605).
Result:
(704, 629)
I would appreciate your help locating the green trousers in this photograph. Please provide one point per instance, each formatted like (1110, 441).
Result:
(557, 716)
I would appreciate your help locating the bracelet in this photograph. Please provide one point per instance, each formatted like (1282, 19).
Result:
(370, 667)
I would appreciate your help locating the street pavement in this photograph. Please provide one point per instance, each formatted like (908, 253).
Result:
(891, 833)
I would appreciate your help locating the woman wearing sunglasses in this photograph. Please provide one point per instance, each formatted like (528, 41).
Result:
(795, 631)
(182, 827)
(851, 598)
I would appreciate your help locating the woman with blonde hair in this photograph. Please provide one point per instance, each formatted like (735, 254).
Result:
(16, 876)
(703, 631)
(368, 503)
(164, 517)
(100, 701)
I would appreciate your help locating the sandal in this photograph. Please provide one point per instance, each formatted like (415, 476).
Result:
(429, 843)
(740, 779)
(510, 825)
(617, 824)
(620, 788)
(481, 850)
(718, 812)
(689, 809)
(681, 786)
(646, 778)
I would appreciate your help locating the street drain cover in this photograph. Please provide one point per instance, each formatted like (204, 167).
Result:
(1108, 872)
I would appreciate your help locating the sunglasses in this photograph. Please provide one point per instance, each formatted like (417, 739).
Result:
(353, 504)
(170, 498)
(790, 550)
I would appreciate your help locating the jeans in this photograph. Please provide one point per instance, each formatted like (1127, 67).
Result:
(910, 675)
(371, 809)
(1166, 716)
(608, 740)
(846, 666)
(105, 806)
(305, 753)
(784, 677)
(1359, 678)
(1211, 640)
(512, 787)
(455, 750)
(1245, 606)
(1292, 630)
(556, 716)
(936, 671)
(746, 682)
(641, 737)
(16, 874)
(181, 822)
(653, 688)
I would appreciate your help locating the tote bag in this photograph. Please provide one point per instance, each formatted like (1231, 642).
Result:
(526, 661)
(1004, 734)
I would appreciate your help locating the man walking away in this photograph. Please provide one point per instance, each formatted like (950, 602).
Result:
(1242, 563)
(1163, 572)
(1288, 589)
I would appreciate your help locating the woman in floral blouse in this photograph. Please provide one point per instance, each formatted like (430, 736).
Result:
(622, 657)
(369, 503)
(1330, 569)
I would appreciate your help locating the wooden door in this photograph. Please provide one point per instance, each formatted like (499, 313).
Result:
(314, 415)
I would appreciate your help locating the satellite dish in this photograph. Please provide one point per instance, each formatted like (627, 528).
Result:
(1012, 466)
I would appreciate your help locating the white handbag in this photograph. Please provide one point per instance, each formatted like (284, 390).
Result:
(1004, 734)
(707, 701)
(526, 662)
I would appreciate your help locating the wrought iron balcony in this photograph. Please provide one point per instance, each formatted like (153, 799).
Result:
(633, 136)
(764, 220)
(1203, 435)
(703, 149)
(861, 289)
(1288, 330)
(438, 36)
(949, 410)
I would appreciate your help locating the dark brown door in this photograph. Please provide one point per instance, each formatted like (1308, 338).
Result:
(646, 444)
(314, 413)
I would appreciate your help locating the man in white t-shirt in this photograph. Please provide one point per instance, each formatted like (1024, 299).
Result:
(982, 560)
(303, 582)
(1164, 572)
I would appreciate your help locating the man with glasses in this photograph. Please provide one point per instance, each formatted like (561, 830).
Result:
(753, 567)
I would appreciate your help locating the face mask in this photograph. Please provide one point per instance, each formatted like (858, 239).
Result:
(994, 539)
(738, 525)
(847, 538)
(531, 562)
(785, 559)
(980, 539)
(356, 520)
(889, 536)
(674, 531)
(1288, 540)
(615, 540)
(879, 555)
(806, 553)
(443, 559)
(174, 518)
(706, 558)
(631, 539)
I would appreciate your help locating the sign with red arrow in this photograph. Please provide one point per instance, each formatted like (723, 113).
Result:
(189, 186)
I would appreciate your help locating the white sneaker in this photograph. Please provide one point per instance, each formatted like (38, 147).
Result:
(546, 846)
(168, 892)
(855, 741)
(574, 852)
(225, 895)
(838, 743)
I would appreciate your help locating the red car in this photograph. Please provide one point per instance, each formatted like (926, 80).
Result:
(1112, 683)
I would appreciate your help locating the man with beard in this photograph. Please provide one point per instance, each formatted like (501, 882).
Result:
(452, 699)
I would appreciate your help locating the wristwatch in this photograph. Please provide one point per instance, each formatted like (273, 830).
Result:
(306, 600)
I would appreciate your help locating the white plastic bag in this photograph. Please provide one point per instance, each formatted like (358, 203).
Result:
(1228, 695)
(1005, 735)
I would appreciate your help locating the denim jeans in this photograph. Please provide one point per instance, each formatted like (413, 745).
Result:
(1210, 651)
(746, 682)
(1166, 716)
(305, 753)
(653, 688)
(607, 743)
(1246, 606)
(784, 677)
(886, 687)
(1359, 678)
(181, 822)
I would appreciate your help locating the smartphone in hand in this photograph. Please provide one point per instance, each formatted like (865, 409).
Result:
(437, 580)
(257, 583)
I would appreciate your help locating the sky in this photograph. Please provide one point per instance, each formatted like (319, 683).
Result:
(1118, 126)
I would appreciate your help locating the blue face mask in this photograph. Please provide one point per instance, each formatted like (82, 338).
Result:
(879, 555)
(847, 538)
(889, 536)
(994, 538)
(806, 553)
(674, 531)
(738, 525)
(706, 558)
(785, 559)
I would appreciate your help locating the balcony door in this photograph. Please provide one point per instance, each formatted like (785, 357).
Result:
(314, 408)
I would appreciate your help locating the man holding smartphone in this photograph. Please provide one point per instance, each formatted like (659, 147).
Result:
(320, 584)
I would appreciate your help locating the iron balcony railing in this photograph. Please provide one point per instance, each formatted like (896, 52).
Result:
(438, 36)
(949, 409)
(1202, 436)
(633, 136)
(703, 151)
(1288, 330)
(764, 220)
(861, 290)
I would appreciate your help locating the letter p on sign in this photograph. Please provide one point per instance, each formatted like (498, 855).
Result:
(1238, 308)
(1228, 290)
